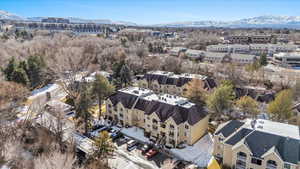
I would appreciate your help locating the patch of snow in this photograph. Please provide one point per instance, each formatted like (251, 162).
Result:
(200, 153)
(136, 133)
(49, 88)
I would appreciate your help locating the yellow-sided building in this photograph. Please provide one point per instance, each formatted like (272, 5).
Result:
(168, 119)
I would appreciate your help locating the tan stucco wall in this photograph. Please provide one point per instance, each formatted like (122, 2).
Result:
(198, 130)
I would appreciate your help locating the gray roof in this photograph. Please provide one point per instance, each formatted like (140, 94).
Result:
(181, 112)
(283, 138)
(229, 128)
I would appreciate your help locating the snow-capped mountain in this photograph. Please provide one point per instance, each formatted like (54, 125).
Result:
(268, 21)
(258, 22)
(9, 16)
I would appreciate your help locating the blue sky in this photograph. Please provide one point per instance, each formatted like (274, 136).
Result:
(152, 11)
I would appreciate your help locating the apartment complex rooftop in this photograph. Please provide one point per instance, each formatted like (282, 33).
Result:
(281, 129)
(262, 137)
(149, 95)
(164, 105)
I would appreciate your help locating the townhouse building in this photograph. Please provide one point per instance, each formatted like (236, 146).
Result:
(255, 49)
(213, 57)
(234, 48)
(169, 82)
(175, 51)
(272, 48)
(165, 118)
(287, 59)
(257, 144)
(195, 54)
(246, 39)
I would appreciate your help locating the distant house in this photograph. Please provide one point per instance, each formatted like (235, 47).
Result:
(195, 54)
(176, 50)
(287, 59)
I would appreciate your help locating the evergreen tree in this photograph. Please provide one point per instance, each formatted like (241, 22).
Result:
(102, 89)
(263, 60)
(82, 105)
(20, 76)
(150, 47)
(125, 75)
(34, 72)
(10, 68)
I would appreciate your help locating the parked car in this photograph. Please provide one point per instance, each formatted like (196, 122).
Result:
(132, 144)
(132, 147)
(179, 164)
(151, 153)
(122, 140)
(113, 130)
(116, 135)
(146, 148)
(97, 132)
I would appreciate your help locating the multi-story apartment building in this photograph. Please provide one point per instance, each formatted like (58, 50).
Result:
(258, 144)
(165, 118)
(246, 39)
(168, 82)
(287, 59)
(272, 48)
(55, 20)
(255, 49)
(214, 57)
(234, 48)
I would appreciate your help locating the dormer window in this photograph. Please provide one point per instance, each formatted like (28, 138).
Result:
(154, 121)
(187, 127)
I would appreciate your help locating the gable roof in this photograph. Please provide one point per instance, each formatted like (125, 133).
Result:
(126, 99)
(180, 114)
(229, 128)
(169, 78)
(238, 136)
(191, 114)
(260, 142)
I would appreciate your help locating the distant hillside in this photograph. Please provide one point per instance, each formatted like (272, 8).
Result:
(255, 22)
(9, 16)
(292, 22)
(80, 20)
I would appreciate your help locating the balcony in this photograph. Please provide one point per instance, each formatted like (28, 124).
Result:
(242, 158)
(271, 166)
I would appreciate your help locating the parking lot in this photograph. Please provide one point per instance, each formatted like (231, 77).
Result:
(130, 151)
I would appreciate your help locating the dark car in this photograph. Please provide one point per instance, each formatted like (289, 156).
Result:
(151, 153)
(132, 148)
(145, 148)
(115, 136)
(179, 164)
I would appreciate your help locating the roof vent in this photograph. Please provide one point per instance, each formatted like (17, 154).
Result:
(253, 122)
(136, 91)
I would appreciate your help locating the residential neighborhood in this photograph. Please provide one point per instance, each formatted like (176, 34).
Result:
(83, 93)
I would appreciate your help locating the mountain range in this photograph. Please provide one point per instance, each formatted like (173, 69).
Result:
(268, 21)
